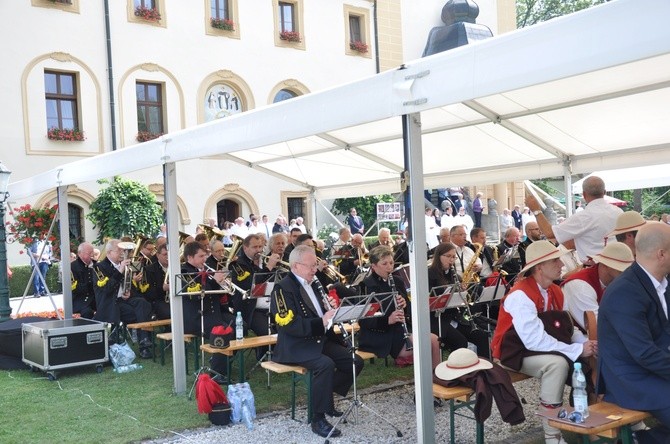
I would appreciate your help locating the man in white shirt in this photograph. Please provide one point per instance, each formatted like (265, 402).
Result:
(464, 254)
(584, 289)
(462, 218)
(431, 229)
(239, 229)
(584, 231)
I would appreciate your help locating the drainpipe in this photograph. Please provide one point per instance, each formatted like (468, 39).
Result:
(110, 75)
(376, 32)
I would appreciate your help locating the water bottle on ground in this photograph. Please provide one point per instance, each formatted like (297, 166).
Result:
(239, 329)
(579, 397)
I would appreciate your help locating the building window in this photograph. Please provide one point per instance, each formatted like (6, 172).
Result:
(284, 94)
(149, 109)
(219, 9)
(355, 28)
(147, 4)
(287, 17)
(76, 227)
(296, 207)
(61, 100)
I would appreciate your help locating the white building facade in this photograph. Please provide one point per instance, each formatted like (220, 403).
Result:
(120, 71)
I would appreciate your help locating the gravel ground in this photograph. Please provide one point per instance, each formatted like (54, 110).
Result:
(394, 403)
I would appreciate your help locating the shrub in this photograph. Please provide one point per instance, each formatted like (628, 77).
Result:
(21, 274)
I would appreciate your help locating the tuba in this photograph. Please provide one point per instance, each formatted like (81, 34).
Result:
(233, 251)
(212, 233)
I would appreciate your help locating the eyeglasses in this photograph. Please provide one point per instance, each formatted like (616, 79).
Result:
(308, 265)
(450, 256)
(575, 417)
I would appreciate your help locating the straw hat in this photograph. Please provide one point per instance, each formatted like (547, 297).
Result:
(628, 221)
(615, 255)
(541, 251)
(461, 362)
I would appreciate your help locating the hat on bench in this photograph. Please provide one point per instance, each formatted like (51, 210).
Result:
(461, 362)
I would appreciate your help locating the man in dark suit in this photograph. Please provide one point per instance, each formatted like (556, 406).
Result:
(355, 222)
(83, 281)
(634, 332)
(305, 337)
(516, 215)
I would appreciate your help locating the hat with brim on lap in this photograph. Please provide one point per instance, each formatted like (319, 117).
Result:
(616, 255)
(461, 362)
(541, 251)
(628, 221)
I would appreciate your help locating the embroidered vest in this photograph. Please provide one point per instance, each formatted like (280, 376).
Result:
(590, 276)
(529, 287)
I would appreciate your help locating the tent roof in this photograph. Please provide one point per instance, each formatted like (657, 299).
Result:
(630, 178)
(589, 90)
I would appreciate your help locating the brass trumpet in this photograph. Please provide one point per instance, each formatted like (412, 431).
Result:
(227, 285)
(331, 272)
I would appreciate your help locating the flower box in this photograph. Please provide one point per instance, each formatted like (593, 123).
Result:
(223, 24)
(290, 36)
(359, 46)
(145, 136)
(69, 135)
(148, 14)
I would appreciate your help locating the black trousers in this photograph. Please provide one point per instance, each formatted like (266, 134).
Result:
(135, 309)
(332, 372)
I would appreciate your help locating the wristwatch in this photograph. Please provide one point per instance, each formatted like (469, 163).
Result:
(536, 212)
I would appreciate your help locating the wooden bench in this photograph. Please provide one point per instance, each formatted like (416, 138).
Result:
(463, 395)
(617, 429)
(298, 374)
(235, 345)
(188, 338)
(151, 327)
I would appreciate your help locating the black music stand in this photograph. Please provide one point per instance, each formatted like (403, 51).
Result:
(351, 310)
(190, 280)
(438, 303)
(262, 285)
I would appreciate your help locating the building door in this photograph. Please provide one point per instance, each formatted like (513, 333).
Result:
(226, 211)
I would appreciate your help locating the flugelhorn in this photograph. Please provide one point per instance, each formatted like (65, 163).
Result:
(227, 285)
(283, 264)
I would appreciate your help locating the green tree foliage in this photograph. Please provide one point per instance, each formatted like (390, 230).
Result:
(366, 206)
(654, 200)
(531, 12)
(125, 207)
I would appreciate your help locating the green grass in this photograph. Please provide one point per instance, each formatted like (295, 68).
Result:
(86, 407)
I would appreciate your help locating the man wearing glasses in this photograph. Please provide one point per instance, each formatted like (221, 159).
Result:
(305, 337)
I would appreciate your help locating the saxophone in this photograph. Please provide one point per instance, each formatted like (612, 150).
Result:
(469, 274)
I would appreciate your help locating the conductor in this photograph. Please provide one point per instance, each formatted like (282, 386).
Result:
(305, 337)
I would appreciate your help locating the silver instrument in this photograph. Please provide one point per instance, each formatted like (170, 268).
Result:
(227, 285)
(127, 272)
(405, 332)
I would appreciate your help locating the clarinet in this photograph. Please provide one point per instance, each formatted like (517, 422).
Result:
(405, 332)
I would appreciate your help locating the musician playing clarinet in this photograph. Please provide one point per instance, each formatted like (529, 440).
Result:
(305, 337)
(387, 335)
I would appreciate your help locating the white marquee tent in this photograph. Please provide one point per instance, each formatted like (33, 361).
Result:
(576, 94)
(630, 178)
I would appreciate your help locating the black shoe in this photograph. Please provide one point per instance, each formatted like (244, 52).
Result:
(334, 413)
(322, 428)
(145, 353)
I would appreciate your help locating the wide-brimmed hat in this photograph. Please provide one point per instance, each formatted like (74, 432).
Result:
(615, 255)
(628, 221)
(461, 362)
(541, 251)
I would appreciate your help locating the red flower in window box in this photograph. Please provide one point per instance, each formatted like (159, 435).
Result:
(32, 224)
(70, 135)
(359, 46)
(290, 36)
(145, 136)
(148, 14)
(224, 24)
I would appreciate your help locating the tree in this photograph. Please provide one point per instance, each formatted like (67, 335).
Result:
(531, 12)
(125, 208)
(366, 206)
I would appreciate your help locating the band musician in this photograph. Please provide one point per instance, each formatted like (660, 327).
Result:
(305, 337)
(159, 285)
(83, 281)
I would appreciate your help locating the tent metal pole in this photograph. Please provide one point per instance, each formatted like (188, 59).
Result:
(176, 311)
(567, 182)
(64, 233)
(414, 209)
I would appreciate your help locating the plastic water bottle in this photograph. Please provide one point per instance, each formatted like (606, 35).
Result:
(239, 329)
(234, 400)
(579, 397)
(127, 368)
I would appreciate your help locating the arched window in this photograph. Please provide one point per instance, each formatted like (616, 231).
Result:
(76, 226)
(284, 94)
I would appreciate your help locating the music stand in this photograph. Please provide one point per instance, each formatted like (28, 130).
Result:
(438, 301)
(191, 280)
(262, 285)
(351, 310)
